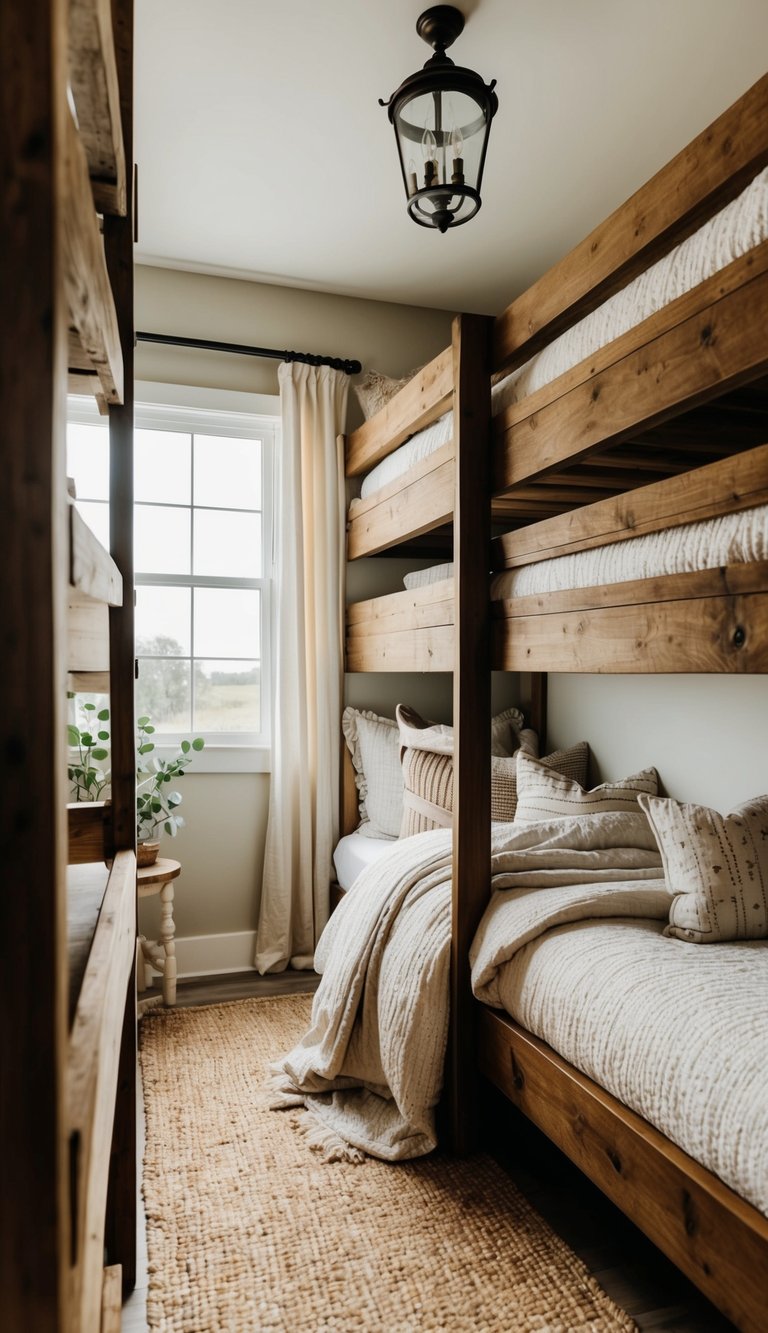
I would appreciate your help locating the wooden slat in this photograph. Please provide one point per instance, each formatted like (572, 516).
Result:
(430, 650)
(90, 832)
(94, 1049)
(393, 603)
(112, 1299)
(411, 619)
(418, 504)
(712, 169)
(715, 350)
(708, 634)
(422, 400)
(724, 487)
(82, 384)
(718, 1239)
(87, 635)
(92, 571)
(94, 82)
(89, 295)
(88, 682)
(471, 705)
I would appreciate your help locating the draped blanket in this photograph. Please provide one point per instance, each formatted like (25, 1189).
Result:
(368, 1073)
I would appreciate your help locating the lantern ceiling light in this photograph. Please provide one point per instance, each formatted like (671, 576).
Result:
(442, 118)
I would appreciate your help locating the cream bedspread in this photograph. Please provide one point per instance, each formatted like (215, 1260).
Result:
(369, 1070)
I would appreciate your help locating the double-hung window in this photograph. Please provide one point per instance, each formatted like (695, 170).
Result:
(202, 547)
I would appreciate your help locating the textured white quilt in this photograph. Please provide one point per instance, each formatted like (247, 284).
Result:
(369, 1070)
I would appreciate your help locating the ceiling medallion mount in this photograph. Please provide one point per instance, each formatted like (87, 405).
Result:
(442, 119)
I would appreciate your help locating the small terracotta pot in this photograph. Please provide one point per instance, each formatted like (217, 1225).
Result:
(146, 853)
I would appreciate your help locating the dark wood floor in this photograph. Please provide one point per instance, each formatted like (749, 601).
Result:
(627, 1266)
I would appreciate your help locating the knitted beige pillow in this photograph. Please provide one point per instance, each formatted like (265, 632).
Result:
(717, 868)
(375, 390)
(543, 794)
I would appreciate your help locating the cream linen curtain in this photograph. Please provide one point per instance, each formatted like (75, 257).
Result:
(308, 670)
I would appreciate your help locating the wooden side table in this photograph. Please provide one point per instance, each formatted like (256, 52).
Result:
(160, 954)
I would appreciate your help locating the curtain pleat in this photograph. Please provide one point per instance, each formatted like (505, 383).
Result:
(302, 828)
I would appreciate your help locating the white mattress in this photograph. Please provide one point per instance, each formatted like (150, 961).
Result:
(733, 231)
(354, 852)
(676, 1031)
(731, 539)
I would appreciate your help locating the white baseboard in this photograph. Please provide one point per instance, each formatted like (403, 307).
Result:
(214, 955)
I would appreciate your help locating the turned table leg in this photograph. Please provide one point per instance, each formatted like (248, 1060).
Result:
(167, 930)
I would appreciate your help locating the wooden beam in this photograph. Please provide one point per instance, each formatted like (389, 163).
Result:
(429, 650)
(94, 1049)
(95, 88)
(724, 487)
(89, 295)
(83, 384)
(701, 179)
(90, 832)
(92, 571)
(417, 502)
(112, 1300)
(718, 1239)
(717, 349)
(394, 603)
(422, 401)
(87, 635)
(471, 876)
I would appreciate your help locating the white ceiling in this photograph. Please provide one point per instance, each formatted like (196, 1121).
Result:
(263, 152)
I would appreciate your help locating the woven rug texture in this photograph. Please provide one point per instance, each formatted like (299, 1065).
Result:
(248, 1230)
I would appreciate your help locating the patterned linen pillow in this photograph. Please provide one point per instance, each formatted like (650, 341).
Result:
(375, 390)
(427, 757)
(374, 744)
(543, 794)
(717, 868)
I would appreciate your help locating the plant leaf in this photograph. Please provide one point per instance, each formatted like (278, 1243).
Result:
(198, 743)
(100, 754)
(186, 747)
(73, 735)
(142, 721)
(103, 735)
(86, 738)
(89, 708)
(103, 716)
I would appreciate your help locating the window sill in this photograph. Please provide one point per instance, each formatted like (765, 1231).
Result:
(223, 758)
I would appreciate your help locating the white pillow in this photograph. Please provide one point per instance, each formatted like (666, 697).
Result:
(544, 794)
(717, 868)
(374, 744)
(422, 578)
(437, 737)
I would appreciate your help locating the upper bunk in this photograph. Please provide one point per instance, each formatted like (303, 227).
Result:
(658, 411)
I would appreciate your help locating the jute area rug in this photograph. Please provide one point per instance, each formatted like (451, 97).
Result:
(248, 1230)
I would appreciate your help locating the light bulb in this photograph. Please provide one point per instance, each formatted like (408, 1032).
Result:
(457, 141)
(428, 145)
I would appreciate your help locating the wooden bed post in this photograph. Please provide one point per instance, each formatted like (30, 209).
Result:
(471, 701)
(539, 707)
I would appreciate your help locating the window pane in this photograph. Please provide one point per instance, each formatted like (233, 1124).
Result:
(227, 696)
(227, 622)
(163, 621)
(88, 460)
(162, 466)
(227, 544)
(227, 472)
(96, 515)
(161, 538)
(163, 692)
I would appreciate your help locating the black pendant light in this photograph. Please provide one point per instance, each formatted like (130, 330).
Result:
(442, 118)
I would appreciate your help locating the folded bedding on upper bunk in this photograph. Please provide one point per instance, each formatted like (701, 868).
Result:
(676, 1032)
(729, 539)
(369, 1070)
(736, 229)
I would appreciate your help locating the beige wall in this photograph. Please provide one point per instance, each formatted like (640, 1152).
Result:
(222, 847)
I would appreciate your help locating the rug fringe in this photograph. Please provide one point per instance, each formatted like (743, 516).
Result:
(326, 1142)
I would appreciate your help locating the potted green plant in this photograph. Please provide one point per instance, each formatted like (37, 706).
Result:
(156, 806)
(157, 802)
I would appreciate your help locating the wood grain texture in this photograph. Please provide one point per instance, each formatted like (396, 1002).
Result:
(87, 635)
(90, 832)
(715, 350)
(92, 1072)
(430, 650)
(95, 88)
(709, 171)
(471, 704)
(34, 975)
(417, 502)
(89, 295)
(722, 487)
(713, 1235)
(423, 400)
(92, 571)
(394, 603)
(111, 1299)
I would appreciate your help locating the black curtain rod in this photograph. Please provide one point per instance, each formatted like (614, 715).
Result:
(240, 349)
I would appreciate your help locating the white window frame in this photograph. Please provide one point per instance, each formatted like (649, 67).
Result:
(218, 412)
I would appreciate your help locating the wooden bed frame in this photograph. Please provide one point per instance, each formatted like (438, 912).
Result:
(68, 1027)
(666, 425)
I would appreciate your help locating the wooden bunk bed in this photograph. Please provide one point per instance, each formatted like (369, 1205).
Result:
(665, 425)
(69, 902)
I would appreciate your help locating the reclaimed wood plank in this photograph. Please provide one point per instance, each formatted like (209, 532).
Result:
(90, 832)
(417, 505)
(393, 603)
(96, 91)
(708, 172)
(92, 571)
(420, 402)
(430, 650)
(718, 1239)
